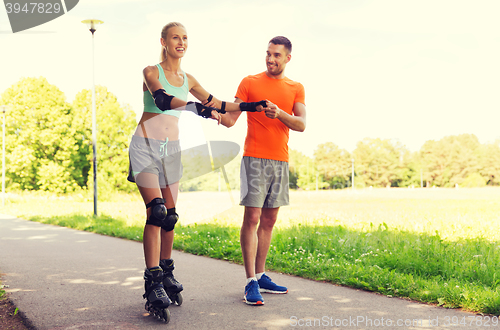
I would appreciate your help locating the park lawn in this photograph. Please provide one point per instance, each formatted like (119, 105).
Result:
(438, 246)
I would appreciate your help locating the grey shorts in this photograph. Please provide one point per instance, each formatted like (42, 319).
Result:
(162, 158)
(264, 182)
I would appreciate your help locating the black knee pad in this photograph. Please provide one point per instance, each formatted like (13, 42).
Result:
(158, 212)
(170, 220)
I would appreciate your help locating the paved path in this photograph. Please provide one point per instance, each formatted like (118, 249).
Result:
(66, 279)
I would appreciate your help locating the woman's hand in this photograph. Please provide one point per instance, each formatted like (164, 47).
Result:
(216, 116)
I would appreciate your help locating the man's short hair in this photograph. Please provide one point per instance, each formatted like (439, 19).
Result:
(280, 40)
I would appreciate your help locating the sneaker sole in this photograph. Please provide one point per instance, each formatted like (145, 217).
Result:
(271, 291)
(254, 303)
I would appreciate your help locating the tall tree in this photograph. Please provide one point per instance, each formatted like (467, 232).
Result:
(490, 163)
(334, 165)
(115, 126)
(449, 161)
(40, 139)
(409, 172)
(379, 162)
(304, 172)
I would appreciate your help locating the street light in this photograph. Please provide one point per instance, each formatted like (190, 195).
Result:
(91, 23)
(4, 108)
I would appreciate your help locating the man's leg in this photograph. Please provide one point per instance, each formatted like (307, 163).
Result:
(249, 239)
(277, 196)
(264, 235)
(249, 242)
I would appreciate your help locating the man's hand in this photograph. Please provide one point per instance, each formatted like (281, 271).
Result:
(272, 111)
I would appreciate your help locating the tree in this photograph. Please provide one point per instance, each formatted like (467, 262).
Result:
(304, 172)
(115, 126)
(296, 160)
(379, 162)
(451, 160)
(409, 170)
(334, 165)
(40, 138)
(490, 163)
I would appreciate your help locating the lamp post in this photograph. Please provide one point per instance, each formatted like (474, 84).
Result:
(91, 23)
(3, 156)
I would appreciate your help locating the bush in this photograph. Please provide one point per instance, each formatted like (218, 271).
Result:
(474, 180)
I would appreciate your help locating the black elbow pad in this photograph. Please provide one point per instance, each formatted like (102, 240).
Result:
(162, 99)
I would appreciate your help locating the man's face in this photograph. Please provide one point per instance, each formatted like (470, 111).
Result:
(276, 59)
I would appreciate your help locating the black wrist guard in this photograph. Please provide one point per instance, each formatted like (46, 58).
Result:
(200, 109)
(251, 106)
(162, 99)
(210, 97)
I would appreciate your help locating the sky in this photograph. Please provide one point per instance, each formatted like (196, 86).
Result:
(410, 71)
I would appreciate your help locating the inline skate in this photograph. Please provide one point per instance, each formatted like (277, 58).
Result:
(171, 285)
(157, 299)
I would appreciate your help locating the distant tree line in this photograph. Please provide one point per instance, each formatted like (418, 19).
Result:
(450, 162)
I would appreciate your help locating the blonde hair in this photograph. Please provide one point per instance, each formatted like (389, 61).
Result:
(164, 31)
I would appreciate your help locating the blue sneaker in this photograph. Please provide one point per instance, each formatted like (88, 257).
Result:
(252, 294)
(267, 285)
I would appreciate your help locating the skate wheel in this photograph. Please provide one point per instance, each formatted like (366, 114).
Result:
(178, 299)
(161, 314)
(165, 315)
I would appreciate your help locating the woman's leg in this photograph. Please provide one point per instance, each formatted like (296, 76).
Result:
(172, 286)
(170, 194)
(150, 189)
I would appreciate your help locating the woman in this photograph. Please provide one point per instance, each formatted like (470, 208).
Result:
(155, 156)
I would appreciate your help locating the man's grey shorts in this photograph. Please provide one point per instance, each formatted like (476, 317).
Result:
(162, 158)
(264, 182)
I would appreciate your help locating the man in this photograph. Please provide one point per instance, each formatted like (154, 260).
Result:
(264, 167)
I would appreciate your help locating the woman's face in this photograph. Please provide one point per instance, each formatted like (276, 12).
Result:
(176, 42)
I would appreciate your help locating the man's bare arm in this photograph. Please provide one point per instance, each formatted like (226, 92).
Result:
(296, 122)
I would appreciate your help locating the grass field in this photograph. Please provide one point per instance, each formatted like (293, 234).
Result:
(440, 246)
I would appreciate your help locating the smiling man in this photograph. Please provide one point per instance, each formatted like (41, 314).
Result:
(264, 167)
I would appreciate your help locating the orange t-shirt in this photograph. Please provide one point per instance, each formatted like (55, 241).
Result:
(268, 138)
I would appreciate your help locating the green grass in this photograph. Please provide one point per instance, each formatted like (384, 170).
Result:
(417, 266)
(103, 224)
(439, 247)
